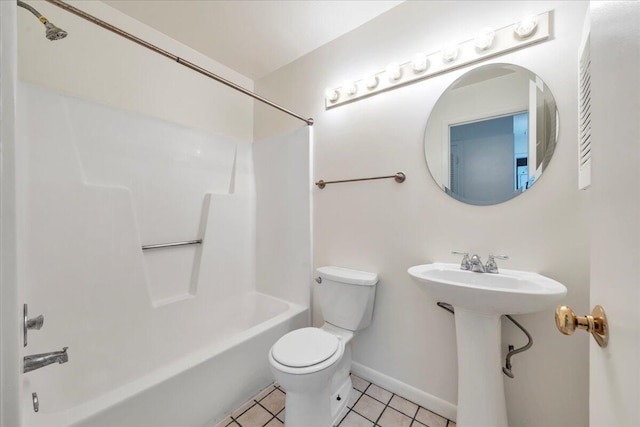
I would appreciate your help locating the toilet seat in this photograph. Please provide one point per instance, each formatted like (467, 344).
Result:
(305, 347)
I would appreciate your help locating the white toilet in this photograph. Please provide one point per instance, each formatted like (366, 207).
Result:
(312, 364)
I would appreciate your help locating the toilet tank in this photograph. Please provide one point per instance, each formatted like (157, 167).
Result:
(346, 296)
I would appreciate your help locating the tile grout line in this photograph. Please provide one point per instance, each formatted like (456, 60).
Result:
(270, 419)
(362, 393)
(385, 407)
(413, 418)
(371, 397)
(255, 402)
(354, 404)
(351, 409)
(416, 414)
(269, 412)
(263, 407)
(342, 419)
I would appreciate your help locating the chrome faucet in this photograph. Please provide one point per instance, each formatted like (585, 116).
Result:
(37, 361)
(476, 264)
(465, 264)
(492, 266)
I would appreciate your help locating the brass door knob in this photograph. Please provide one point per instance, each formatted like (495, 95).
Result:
(596, 323)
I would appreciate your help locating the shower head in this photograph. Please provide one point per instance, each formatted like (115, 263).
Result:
(52, 32)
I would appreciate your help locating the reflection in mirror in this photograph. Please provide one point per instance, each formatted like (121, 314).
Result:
(491, 134)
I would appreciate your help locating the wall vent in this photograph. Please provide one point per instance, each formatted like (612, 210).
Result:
(584, 117)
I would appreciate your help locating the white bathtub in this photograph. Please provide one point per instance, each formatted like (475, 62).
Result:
(195, 389)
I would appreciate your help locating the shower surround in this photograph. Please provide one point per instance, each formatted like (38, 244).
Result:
(151, 334)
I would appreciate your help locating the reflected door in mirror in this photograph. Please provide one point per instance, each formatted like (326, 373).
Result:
(488, 159)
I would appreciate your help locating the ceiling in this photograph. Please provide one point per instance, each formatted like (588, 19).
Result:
(253, 37)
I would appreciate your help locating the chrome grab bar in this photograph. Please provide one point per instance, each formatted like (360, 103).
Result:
(169, 245)
(400, 177)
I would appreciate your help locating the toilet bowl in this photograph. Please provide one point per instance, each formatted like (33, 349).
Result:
(312, 364)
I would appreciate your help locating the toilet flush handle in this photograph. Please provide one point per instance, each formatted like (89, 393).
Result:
(318, 279)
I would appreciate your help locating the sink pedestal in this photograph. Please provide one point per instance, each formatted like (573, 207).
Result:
(481, 400)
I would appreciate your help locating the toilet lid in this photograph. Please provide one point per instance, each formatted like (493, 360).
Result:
(305, 347)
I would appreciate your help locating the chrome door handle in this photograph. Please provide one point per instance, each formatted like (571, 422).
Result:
(596, 323)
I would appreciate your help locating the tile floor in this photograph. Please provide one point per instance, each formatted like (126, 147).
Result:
(369, 406)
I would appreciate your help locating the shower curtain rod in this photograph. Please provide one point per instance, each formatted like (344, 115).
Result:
(173, 57)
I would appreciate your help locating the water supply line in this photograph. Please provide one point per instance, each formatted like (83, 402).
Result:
(506, 369)
(507, 365)
(52, 31)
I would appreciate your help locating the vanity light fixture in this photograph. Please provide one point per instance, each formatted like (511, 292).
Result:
(393, 71)
(371, 82)
(488, 43)
(484, 40)
(450, 53)
(332, 94)
(419, 62)
(351, 88)
(526, 27)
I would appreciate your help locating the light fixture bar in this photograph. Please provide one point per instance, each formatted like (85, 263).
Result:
(516, 36)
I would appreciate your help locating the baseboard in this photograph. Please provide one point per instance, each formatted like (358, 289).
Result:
(426, 400)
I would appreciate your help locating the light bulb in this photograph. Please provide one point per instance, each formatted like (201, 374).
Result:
(419, 62)
(484, 39)
(526, 27)
(450, 53)
(393, 71)
(371, 82)
(332, 94)
(350, 88)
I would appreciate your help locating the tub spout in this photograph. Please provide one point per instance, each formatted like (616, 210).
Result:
(37, 361)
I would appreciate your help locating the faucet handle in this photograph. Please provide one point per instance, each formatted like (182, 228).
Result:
(492, 266)
(36, 322)
(465, 264)
(27, 323)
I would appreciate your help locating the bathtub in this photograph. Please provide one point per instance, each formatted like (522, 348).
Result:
(198, 388)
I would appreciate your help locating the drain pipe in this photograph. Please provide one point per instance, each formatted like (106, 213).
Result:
(512, 350)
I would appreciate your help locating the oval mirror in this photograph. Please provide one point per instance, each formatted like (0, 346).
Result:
(491, 134)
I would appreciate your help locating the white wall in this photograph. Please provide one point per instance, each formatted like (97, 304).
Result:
(95, 64)
(283, 215)
(385, 227)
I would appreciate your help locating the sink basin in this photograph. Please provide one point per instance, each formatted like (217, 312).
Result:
(508, 292)
(479, 300)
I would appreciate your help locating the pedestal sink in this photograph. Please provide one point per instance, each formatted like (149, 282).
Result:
(479, 299)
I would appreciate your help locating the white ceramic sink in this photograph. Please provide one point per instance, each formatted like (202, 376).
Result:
(508, 292)
(479, 300)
